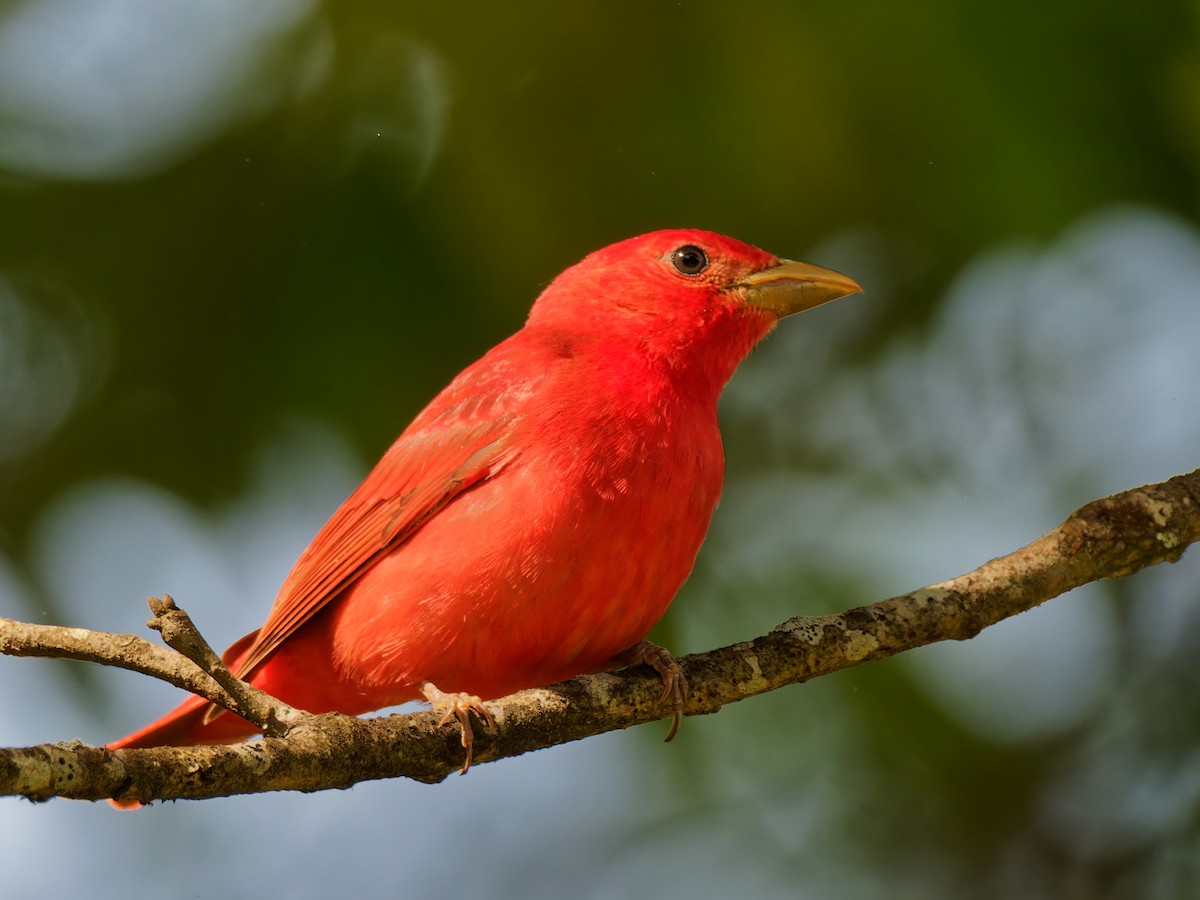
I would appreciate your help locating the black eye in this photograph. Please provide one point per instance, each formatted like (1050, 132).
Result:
(689, 260)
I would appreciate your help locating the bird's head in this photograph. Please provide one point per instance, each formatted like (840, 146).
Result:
(687, 297)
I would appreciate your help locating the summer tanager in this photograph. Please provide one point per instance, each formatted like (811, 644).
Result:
(537, 518)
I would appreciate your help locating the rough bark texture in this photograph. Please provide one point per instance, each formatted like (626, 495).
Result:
(1108, 538)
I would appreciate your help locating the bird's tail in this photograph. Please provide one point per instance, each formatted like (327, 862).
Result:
(184, 726)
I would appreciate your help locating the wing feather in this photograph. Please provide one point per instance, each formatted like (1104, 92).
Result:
(458, 441)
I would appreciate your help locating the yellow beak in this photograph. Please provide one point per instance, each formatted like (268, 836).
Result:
(792, 287)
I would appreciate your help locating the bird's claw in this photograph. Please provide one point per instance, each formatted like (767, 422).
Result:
(675, 686)
(458, 706)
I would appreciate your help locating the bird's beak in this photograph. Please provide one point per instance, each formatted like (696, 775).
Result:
(792, 287)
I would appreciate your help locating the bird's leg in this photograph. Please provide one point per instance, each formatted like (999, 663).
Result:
(458, 706)
(675, 686)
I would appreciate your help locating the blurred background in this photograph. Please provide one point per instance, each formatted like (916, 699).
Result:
(241, 244)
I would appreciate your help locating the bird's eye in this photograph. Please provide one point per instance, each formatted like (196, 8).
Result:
(689, 260)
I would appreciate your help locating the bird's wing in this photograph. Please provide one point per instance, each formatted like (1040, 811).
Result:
(460, 439)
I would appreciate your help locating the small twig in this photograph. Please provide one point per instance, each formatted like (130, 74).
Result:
(178, 631)
(124, 651)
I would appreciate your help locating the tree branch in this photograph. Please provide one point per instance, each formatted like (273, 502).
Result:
(180, 633)
(1108, 538)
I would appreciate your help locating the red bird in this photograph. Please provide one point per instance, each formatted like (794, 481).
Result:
(537, 518)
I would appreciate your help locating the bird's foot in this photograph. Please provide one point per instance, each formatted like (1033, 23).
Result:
(458, 706)
(675, 686)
